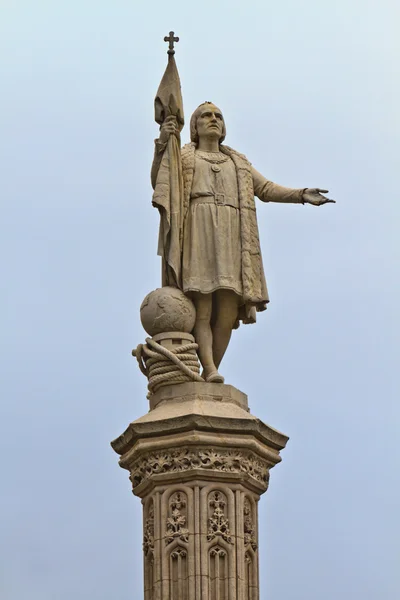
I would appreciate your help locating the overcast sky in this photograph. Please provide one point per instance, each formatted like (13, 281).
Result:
(310, 92)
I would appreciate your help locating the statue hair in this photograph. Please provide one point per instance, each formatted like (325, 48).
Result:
(194, 136)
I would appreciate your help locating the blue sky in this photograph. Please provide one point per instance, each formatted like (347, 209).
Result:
(310, 92)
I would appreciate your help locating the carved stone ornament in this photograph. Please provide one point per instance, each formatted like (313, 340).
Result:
(218, 524)
(148, 536)
(177, 519)
(178, 460)
(217, 551)
(179, 552)
(248, 525)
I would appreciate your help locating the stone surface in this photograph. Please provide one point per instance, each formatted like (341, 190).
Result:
(167, 309)
(200, 461)
(200, 542)
(204, 392)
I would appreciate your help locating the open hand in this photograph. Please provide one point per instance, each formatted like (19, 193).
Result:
(314, 196)
(170, 126)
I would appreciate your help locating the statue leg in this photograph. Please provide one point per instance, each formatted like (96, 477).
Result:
(203, 336)
(226, 311)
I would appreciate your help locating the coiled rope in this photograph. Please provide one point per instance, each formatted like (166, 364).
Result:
(165, 367)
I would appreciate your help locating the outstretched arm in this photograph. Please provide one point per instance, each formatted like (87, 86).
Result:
(267, 191)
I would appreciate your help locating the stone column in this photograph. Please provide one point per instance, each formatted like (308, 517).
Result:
(200, 461)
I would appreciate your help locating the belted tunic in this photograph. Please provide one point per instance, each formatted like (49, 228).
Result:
(211, 238)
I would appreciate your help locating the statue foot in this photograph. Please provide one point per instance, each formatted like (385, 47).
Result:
(214, 377)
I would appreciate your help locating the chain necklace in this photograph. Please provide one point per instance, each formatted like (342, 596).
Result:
(212, 157)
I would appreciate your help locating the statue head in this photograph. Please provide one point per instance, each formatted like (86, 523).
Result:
(207, 120)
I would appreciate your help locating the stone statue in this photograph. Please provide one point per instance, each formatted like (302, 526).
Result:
(209, 237)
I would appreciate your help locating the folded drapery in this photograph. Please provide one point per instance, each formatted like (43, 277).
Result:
(168, 192)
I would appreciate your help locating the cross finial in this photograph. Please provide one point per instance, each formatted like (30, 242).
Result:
(171, 39)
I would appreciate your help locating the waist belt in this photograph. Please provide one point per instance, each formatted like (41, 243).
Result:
(218, 199)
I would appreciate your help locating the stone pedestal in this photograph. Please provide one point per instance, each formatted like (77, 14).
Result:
(200, 461)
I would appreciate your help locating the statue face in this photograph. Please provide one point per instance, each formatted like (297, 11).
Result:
(210, 122)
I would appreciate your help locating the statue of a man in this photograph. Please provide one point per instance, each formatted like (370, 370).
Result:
(222, 267)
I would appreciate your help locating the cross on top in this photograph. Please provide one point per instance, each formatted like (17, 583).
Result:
(171, 39)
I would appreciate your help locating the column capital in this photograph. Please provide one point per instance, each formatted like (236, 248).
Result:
(197, 431)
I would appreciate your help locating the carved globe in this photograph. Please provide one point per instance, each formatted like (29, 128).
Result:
(167, 309)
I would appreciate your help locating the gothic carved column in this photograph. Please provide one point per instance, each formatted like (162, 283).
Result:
(200, 462)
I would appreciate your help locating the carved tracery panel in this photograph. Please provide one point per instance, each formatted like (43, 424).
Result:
(218, 574)
(148, 549)
(218, 522)
(176, 526)
(248, 576)
(148, 533)
(250, 544)
(249, 525)
(178, 569)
